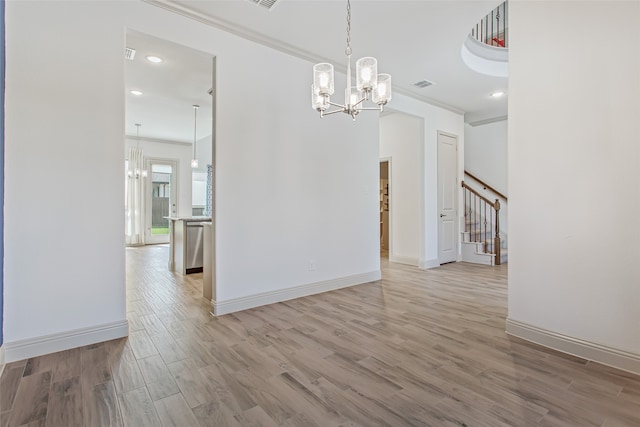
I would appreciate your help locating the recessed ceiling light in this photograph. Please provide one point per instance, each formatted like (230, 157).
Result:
(154, 59)
(136, 92)
(497, 94)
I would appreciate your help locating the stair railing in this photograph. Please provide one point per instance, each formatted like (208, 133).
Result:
(485, 186)
(482, 217)
(493, 28)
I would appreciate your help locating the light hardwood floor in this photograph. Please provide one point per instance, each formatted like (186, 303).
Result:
(424, 348)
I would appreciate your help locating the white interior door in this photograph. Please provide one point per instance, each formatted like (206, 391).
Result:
(447, 197)
(162, 192)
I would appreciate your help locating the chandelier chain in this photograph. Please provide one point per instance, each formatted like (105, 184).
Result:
(347, 51)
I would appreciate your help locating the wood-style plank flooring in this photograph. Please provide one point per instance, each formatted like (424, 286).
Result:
(423, 348)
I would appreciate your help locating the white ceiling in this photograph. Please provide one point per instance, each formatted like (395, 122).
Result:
(169, 88)
(412, 40)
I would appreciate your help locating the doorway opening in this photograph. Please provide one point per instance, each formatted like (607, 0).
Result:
(384, 207)
(174, 144)
(161, 199)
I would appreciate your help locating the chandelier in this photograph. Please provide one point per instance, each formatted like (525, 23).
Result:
(370, 86)
(194, 160)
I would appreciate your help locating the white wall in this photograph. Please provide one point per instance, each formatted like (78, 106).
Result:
(485, 156)
(485, 153)
(167, 151)
(291, 187)
(574, 157)
(401, 140)
(64, 250)
(204, 153)
(434, 119)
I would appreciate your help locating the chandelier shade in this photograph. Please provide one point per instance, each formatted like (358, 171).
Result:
(353, 96)
(370, 86)
(382, 93)
(318, 102)
(323, 78)
(366, 73)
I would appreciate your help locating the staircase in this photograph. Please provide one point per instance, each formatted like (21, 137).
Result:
(479, 248)
(482, 240)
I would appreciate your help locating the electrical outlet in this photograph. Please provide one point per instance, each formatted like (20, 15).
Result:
(312, 265)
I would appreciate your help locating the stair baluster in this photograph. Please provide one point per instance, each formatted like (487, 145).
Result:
(482, 221)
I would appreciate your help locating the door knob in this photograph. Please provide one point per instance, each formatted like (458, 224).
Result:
(441, 215)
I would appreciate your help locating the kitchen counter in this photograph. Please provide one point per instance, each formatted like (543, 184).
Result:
(186, 243)
(189, 218)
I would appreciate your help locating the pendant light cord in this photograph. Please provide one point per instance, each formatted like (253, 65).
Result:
(138, 135)
(195, 124)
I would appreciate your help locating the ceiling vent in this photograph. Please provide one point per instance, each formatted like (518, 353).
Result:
(129, 53)
(267, 4)
(423, 83)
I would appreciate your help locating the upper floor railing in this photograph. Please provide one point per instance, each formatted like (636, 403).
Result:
(493, 29)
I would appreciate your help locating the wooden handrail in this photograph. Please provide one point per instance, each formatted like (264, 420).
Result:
(487, 186)
(495, 204)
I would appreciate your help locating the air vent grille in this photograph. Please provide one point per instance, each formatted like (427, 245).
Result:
(129, 53)
(267, 4)
(423, 83)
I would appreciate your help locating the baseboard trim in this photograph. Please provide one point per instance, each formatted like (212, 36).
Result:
(2, 359)
(605, 355)
(404, 260)
(428, 263)
(32, 347)
(244, 303)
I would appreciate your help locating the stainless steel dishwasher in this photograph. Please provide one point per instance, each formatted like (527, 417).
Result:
(194, 247)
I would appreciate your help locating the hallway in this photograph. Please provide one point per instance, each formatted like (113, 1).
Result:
(419, 347)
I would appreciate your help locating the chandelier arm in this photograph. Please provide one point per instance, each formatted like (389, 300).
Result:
(360, 102)
(372, 109)
(338, 105)
(328, 113)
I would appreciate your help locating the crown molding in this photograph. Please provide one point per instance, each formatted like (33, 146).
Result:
(278, 45)
(232, 28)
(488, 121)
(159, 140)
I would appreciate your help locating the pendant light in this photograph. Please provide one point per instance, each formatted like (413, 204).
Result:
(370, 86)
(137, 172)
(194, 160)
